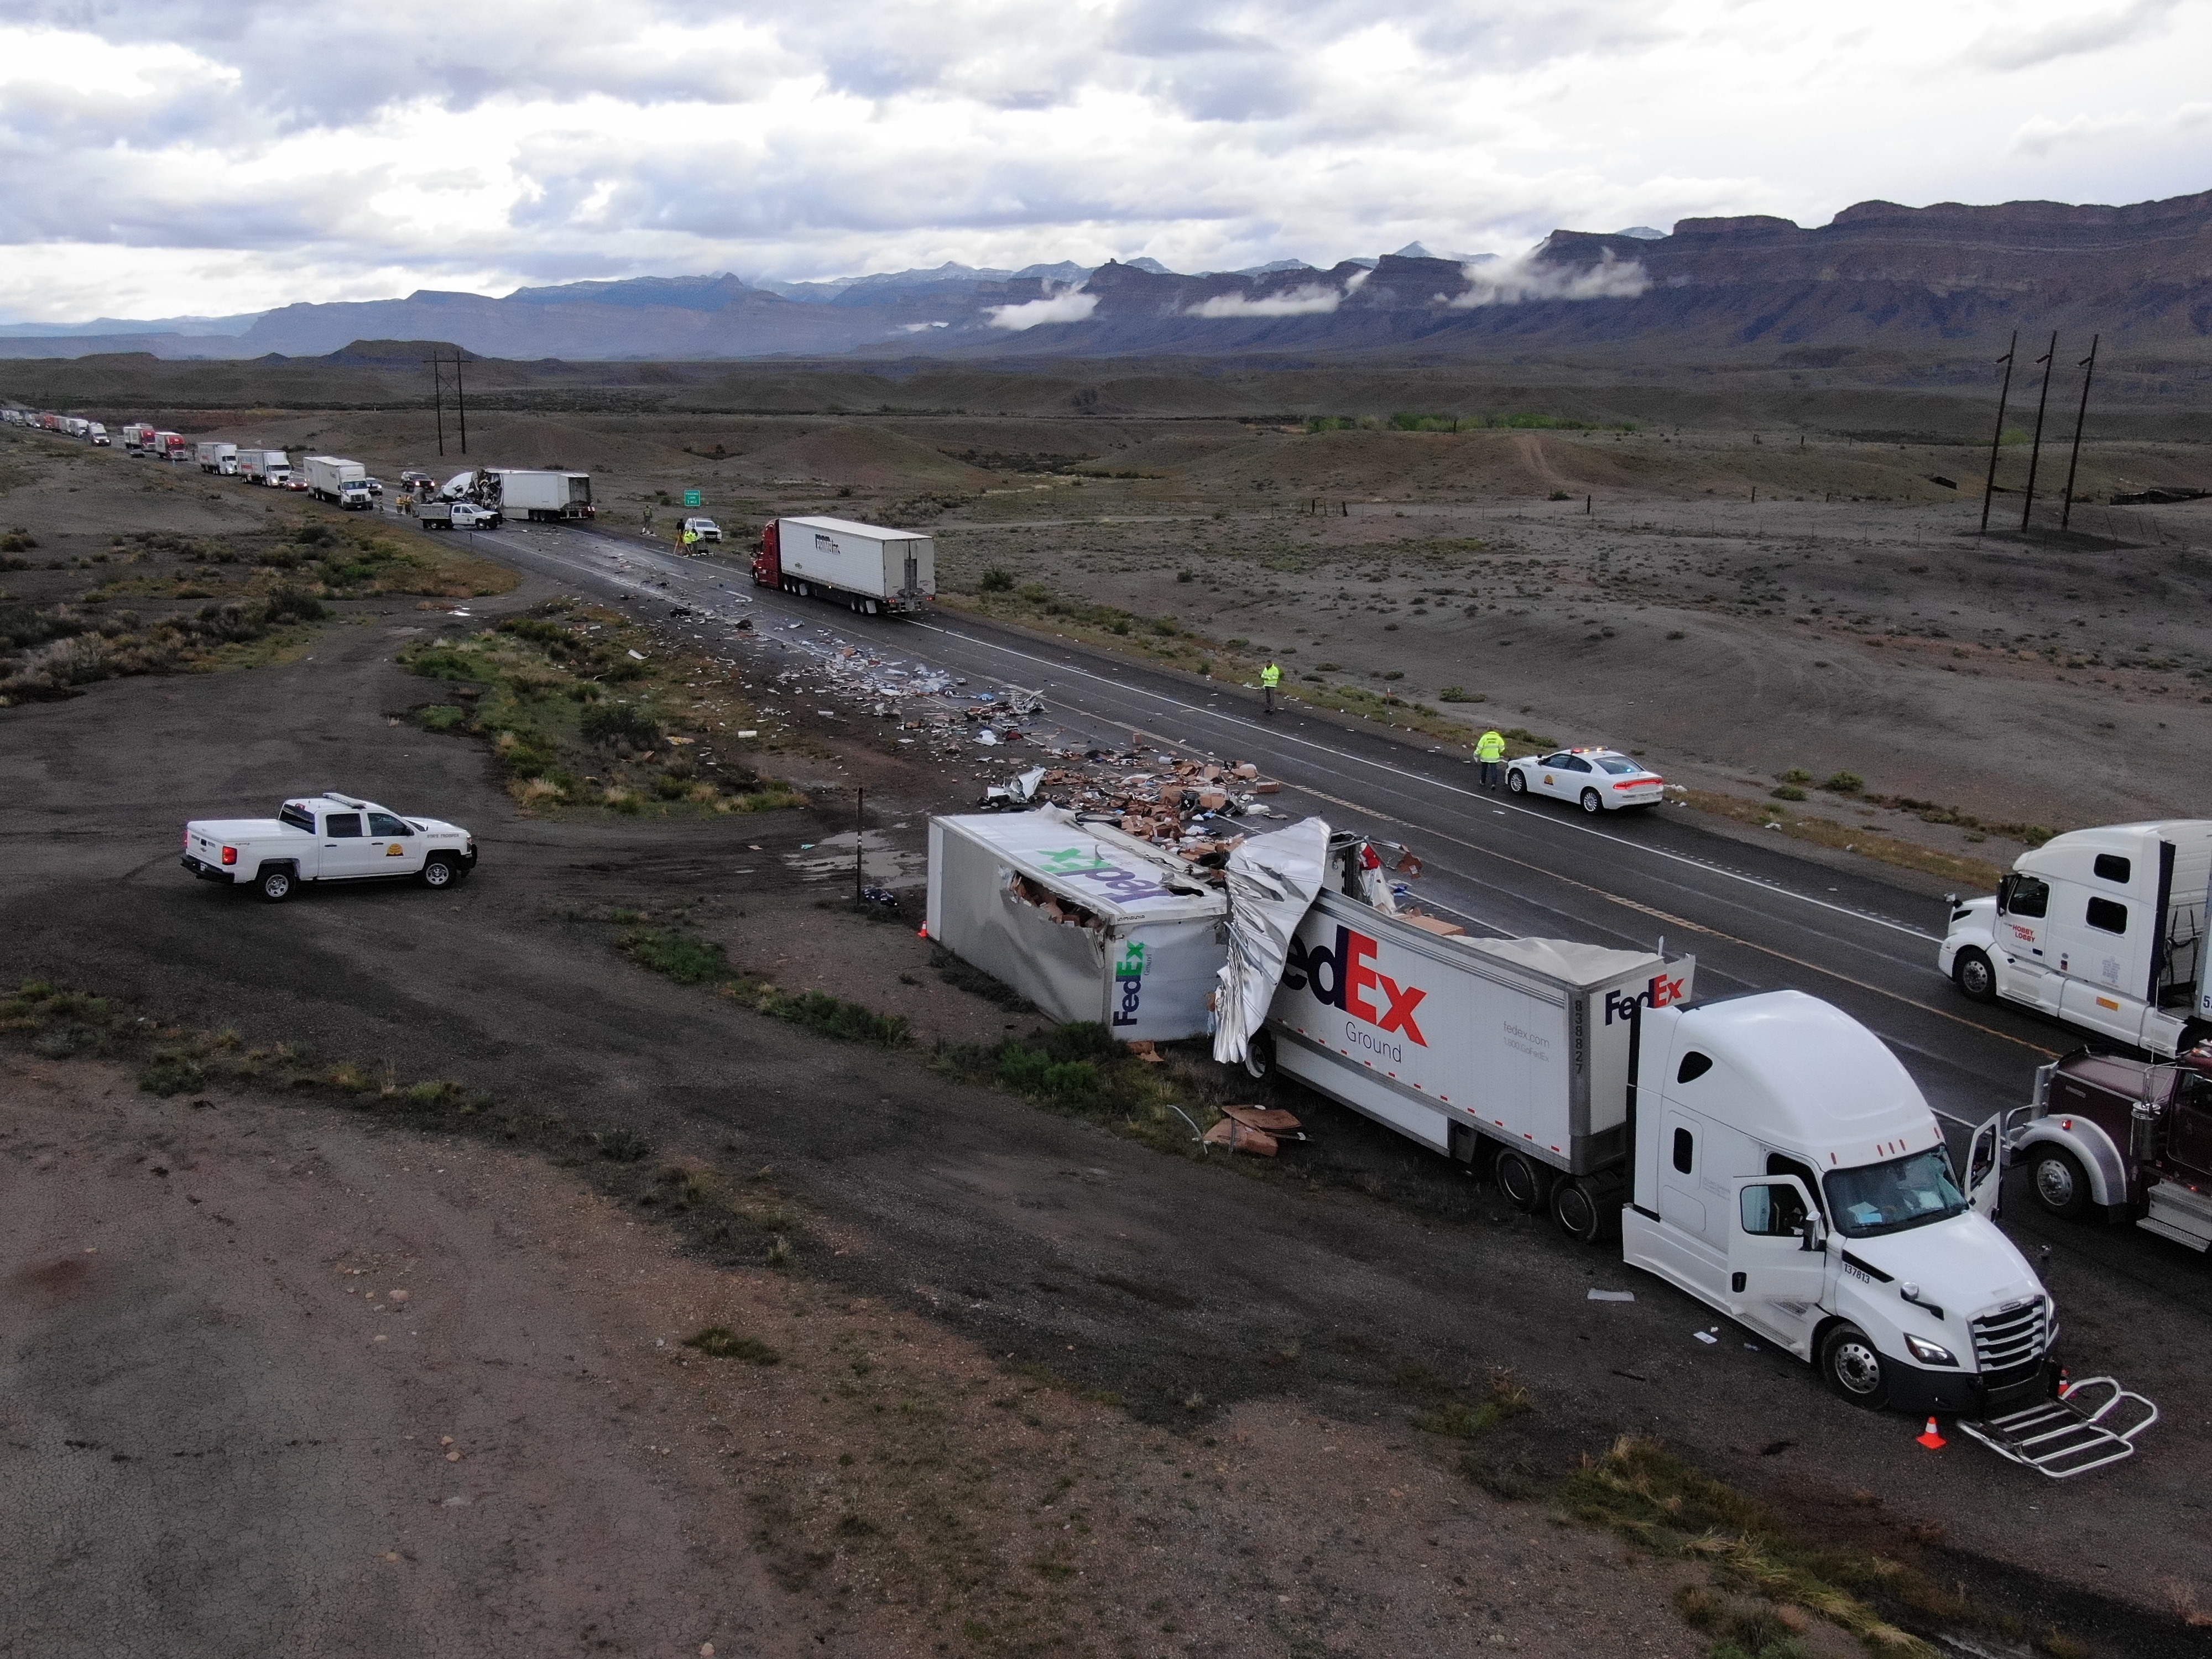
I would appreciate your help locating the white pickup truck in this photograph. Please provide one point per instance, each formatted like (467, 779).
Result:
(327, 837)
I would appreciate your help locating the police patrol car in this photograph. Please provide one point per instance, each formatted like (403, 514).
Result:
(1596, 780)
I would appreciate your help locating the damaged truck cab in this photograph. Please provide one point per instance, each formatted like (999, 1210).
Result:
(1789, 1173)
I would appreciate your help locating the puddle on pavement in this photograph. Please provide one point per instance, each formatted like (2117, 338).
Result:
(882, 865)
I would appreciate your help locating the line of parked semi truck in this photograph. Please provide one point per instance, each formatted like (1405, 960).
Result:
(478, 499)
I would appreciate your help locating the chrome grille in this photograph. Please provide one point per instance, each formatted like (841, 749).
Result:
(2012, 1337)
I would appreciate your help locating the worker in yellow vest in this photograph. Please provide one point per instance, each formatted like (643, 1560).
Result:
(690, 540)
(1270, 678)
(1490, 750)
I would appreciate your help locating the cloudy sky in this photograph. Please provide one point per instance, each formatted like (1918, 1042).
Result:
(210, 156)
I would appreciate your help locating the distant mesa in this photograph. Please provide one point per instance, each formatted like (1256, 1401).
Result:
(397, 354)
(1643, 234)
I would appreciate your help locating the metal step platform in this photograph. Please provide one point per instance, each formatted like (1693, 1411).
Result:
(2092, 1424)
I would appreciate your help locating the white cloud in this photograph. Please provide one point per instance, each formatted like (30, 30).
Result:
(1071, 307)
(1509, 282)
(2016, 46)
(219, 155)
(1314, 300)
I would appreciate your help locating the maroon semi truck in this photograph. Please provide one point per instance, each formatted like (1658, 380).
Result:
(2125, 1140)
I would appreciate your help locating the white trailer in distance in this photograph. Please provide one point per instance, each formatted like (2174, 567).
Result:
(866, 566)
(333, 478)
(541, 494)
(271, 467)
(220, 459)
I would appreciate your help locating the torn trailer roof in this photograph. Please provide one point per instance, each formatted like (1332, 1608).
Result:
(1086, 922)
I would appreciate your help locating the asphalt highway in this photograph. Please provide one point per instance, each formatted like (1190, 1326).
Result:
(1755, 918)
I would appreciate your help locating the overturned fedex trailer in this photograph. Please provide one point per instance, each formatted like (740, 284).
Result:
(1089, 923)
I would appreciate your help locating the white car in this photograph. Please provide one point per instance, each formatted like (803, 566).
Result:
(1596, 780)
(327, 838)
(705, 529)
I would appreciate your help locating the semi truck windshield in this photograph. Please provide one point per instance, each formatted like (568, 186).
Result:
(1888, 1198)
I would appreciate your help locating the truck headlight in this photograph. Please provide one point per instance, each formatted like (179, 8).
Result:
(1930, 1354)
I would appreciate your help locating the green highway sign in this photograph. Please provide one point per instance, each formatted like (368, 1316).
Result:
(692, 498)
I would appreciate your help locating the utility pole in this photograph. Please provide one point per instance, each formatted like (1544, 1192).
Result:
(1990, 490)
(2089, 363)
(2049, 359)
(438, 401)
(460, 398)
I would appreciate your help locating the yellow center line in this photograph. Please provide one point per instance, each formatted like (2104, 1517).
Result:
(1673, 920)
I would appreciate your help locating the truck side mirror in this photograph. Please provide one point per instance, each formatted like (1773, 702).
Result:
(1809, 1230)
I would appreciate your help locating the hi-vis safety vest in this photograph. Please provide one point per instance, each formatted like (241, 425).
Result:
(1489, 747)
(1271, 676)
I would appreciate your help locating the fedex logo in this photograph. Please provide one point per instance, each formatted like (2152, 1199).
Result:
(1342, 978)
(1129, 979)
(1661, 993)
(1126, 885)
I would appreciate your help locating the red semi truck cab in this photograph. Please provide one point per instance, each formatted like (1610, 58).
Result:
(768, 563)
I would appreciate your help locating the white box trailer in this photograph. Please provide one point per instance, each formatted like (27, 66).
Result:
(172, 446)
(1086, 922)
(272, 467)
(526, 493)
(1455, 1040)
(333, 478)
(869, 567)
(217, 457)
(137, 437)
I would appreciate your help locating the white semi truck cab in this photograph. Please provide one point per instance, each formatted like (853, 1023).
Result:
(1789, 1172)
(2101, 928)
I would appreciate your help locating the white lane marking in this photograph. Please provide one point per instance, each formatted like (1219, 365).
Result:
(1439, 783)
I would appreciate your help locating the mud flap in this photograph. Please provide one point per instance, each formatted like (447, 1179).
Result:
(2093, 1424)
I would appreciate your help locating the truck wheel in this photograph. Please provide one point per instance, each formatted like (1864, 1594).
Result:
(1260, 1055)
(1853, 1367)
(1592, 803)
(276, 884)
(1524, 1181)
(1974, 976)
(439, 873)
(2059, 1185)
(1516, 784)
(1582, 1214)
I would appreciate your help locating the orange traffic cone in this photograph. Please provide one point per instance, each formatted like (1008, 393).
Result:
(1932, 1436)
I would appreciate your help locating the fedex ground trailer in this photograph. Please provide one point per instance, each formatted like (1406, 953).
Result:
(1092, 925)
(1518, 1047)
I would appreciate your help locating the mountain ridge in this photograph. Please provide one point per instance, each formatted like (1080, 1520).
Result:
(1952, 277)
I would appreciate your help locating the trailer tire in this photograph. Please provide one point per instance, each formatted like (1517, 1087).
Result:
(1260, 1056)
(2055, 1175)
(276, 883)
(1852, 1366)
(1976, 980)
(1525, 1183)
(1583, 1214)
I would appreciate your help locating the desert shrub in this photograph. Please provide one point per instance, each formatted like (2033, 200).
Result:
(620, 722)
(685, 957)
(720, 1342)
(997, 579)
